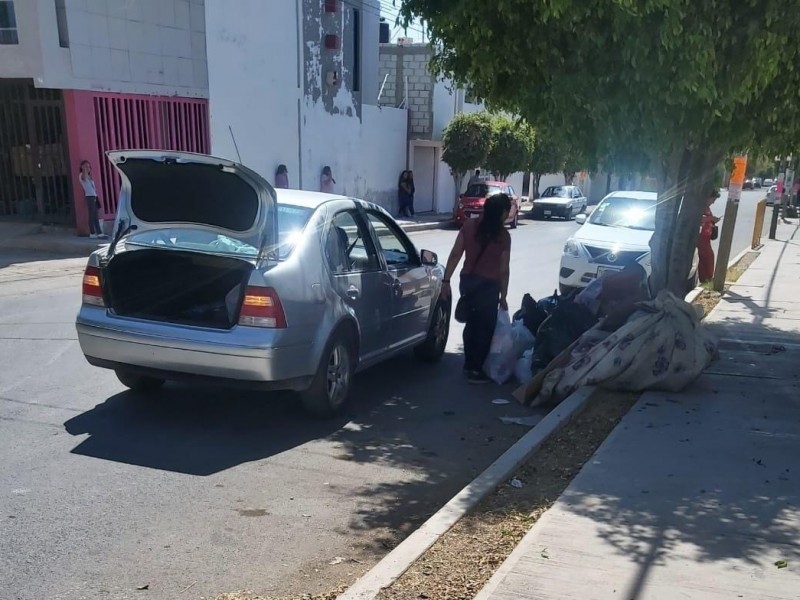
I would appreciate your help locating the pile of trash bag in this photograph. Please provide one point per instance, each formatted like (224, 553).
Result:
(661, 346)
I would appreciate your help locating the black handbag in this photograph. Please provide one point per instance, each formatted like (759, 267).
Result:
(714, 232)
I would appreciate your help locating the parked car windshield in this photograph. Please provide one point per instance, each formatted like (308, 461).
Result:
(291, 222)
(481, 190)
(625, 212)
(557, 192)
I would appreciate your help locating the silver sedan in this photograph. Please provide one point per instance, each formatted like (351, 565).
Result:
(214, 276)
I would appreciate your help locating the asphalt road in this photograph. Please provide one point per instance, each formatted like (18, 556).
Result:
(212, 490)
(102, 490)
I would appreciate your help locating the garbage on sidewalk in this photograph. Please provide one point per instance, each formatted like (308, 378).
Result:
(609, 334)
(652, 345)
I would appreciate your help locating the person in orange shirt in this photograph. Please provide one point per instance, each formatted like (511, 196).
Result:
(708, 229)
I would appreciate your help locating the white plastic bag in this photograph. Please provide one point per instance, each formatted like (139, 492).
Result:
(499, 364)
(522, 337)
(522, 370)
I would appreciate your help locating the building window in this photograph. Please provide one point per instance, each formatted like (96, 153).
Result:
(8, 23)
(61, 23)
(356, 50)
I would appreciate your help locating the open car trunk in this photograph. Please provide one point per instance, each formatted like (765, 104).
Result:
(177, 287)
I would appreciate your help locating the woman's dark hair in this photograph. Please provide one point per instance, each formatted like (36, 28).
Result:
(281, 169)
(493, 220)
(80, 168)
(402, 178)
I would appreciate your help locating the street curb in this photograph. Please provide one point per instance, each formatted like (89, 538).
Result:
(394, 564)
(692, 296)
(415, 227)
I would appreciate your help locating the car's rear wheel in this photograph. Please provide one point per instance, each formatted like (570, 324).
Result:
(139, 383)
(331, 385)
(432, 349)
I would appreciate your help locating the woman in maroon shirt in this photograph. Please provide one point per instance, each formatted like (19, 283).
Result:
(484, 280)
(705, 253)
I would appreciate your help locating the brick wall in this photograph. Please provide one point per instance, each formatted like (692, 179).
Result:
(408, 73)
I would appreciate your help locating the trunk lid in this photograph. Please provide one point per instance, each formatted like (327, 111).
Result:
(166, 190)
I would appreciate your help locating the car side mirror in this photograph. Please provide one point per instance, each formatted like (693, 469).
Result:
(580, 219)
(429, 258)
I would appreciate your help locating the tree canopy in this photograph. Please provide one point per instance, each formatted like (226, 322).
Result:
(680, 82)
(512, 144)
(467, 140)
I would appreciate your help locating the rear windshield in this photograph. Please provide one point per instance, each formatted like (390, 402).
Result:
(190, 193)
(291, 222)
(625, 212)
(481, 190)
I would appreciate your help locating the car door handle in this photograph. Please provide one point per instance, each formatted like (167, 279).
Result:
(353, 293)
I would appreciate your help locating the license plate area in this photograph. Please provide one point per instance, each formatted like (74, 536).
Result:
(603, 270)
(474, 215)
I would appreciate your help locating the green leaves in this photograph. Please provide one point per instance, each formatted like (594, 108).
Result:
(467, 141)
(512, 145)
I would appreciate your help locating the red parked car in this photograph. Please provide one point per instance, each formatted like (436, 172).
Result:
(470, 203)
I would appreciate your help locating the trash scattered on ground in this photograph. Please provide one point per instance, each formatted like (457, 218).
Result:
(516, 483)
(306, 516)
(146, 586)
(524, 421)
(337, 560)
(501, 401)
(777, 349)
(781, 564)
(544, 553)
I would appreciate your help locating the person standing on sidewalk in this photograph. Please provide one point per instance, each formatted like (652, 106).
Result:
(708, 232)
(476, 178)
(484, 281)
(282, 177)
(326, 181)
(92, 201)
(405, 194)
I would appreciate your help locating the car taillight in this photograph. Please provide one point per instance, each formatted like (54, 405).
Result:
(261, 307)
(92, 289)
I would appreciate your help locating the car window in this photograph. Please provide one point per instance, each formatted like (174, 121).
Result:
(631, 213)
(397, 250)
(481, 190)
(347, 249)
(292, 221)
(556, 191)
(510, 191)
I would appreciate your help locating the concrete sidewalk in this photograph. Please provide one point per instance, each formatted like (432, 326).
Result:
(63, 241)
(694, 495)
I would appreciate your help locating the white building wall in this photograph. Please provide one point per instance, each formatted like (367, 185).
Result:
(264, 88)
(130, 46)
(254, 85)
(23, 60)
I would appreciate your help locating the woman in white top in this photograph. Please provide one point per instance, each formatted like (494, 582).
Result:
(92, 202)
(326, 181)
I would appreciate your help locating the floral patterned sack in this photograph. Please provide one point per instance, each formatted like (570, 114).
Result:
(662, 346)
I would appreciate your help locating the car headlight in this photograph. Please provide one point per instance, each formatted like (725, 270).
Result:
(572, 248)
(460, 205)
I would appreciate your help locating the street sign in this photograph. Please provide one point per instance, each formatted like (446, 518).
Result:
(737, 178)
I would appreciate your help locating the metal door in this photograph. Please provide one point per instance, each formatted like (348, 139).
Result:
(34, 171)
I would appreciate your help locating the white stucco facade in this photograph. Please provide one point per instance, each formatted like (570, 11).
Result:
(143, 46)
(271, 88)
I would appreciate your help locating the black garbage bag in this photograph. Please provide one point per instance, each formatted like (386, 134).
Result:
(531, 315)
(568, 321)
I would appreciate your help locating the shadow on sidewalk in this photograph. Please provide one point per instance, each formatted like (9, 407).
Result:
(706, 476)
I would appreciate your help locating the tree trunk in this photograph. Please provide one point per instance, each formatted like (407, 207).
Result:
(682, 197)
(458, 178)
(608, 184)
(568, 178)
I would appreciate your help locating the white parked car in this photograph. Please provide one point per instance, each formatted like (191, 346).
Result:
(615, 235)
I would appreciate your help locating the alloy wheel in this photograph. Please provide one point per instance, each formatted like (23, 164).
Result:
(338, 375)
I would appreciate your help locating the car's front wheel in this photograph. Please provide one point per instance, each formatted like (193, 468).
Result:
(432, 349)
(331, 384)
(139, 383)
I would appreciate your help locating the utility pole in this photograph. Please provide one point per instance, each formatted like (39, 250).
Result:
(729, 221)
